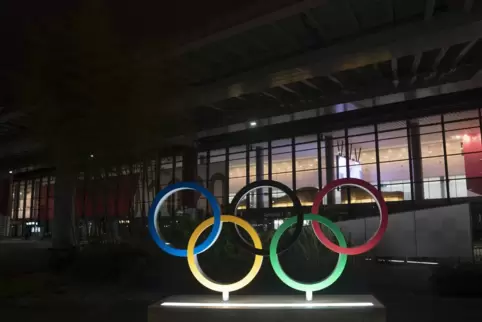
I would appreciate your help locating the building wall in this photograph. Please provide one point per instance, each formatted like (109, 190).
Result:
(450, 157)
(443, 232)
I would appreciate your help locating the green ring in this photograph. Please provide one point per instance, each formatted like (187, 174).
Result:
(340, 265)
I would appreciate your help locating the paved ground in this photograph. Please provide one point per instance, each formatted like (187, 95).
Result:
(399, 308)
(404, 290)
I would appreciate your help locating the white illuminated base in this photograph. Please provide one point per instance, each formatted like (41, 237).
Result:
(240, 308)
(243, 305)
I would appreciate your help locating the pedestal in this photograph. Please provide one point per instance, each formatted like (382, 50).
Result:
(326, 308)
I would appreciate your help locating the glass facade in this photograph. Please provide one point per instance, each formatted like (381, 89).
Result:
(435, 157)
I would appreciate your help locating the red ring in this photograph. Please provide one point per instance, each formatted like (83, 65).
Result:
(382, 206)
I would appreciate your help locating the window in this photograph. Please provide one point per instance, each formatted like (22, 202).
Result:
(282, 170)
(237, 170)
(362, 156)
(306, 164)
(394, 162)
(464, 154)
(258, 170)
(217, 174)
(432, 157)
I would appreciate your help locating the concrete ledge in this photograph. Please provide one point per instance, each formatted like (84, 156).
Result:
(326, 308)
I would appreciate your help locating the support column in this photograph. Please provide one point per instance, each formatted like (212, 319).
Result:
(330, 170)
(259, 176)
(63, 224)
(416, 162)
(189, 173)
(5, 205)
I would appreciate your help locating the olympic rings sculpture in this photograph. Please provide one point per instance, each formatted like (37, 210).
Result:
(256, 247)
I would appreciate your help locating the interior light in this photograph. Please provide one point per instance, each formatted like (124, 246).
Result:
(91, 156)
(253, 123)
(10, 171)
(419, 262)
(234, 305)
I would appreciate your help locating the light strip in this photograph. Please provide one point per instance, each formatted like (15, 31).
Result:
(216, 305)
(426, 263)
(403, 261)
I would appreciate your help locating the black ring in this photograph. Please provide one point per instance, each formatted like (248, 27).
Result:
(296, 205)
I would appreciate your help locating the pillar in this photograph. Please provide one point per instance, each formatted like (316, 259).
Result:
(259, 176)
(189, 173)
(416, 162)
(330, 170)
(5, 204)
(63, 225)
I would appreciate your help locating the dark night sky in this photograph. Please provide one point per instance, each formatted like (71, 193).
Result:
(134, 23)
(80, 63)
(146, 19)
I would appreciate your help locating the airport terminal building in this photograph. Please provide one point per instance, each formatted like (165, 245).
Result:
(399, 106)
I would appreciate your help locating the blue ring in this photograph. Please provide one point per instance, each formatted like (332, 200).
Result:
(154, 211)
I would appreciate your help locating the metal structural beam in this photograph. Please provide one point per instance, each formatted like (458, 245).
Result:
(335, 80)
(289, 90)
(314, 24)
(286, 12)
(463, 52)
(429, 9)
(438, 59)
(394, 64)
(6, 117)
(410, 39)
(468, 5)
(416, 62)
(310, 84)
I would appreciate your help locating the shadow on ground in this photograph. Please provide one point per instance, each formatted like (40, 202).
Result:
(117, 283)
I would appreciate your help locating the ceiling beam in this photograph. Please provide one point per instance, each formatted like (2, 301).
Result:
(212, 106)
(418, 107)
(429, 9)
(410, 39)
(394, 65)
(256, 42)
(335, 80)
(438, 59)
(310, 84)
(285, 34)
(416, 62)
(464, 52)
(314, 24)
(270, 95)
(468, 5)
(7, 117)
(289, 90)
(270, 18)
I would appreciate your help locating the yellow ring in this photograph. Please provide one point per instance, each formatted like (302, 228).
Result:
(198, 272)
